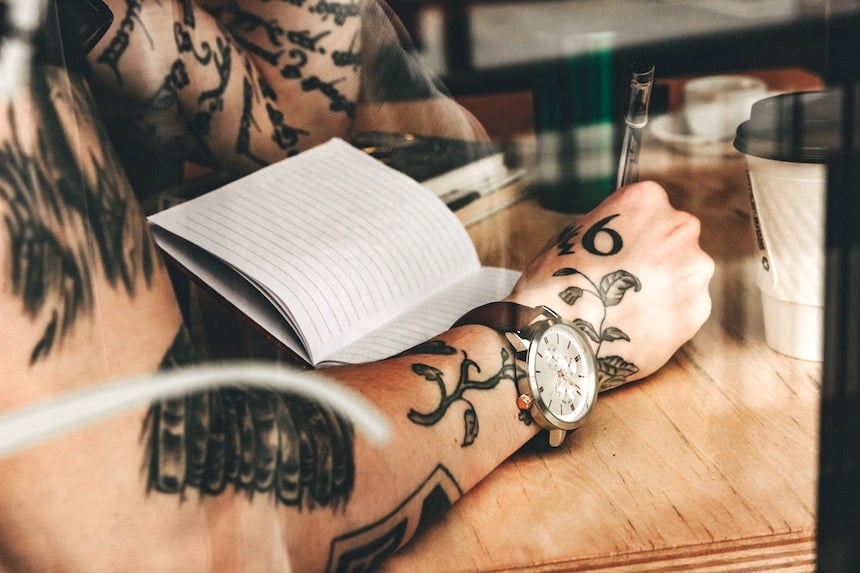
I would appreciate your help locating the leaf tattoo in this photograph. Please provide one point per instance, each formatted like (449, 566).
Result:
(470, 417)
(571, 294)
(587, 329)
(614, 285)
(614, 371)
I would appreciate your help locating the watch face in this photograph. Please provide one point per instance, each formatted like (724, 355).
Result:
(563, 376)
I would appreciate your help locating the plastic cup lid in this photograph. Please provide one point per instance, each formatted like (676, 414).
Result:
(801, 127)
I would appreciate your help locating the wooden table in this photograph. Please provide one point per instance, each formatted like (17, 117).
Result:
(709, 464)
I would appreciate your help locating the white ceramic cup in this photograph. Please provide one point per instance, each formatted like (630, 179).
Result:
(714, 106)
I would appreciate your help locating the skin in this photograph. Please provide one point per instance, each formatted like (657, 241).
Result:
(164, 506)
(237, 84)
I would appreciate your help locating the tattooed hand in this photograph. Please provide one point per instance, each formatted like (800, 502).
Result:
(632, 275)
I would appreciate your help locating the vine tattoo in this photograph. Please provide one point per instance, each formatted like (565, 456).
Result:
(66, 221)
(465, 383)
(254, 440)
(613, 371)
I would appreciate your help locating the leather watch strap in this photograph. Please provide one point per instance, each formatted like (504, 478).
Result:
(500, 316)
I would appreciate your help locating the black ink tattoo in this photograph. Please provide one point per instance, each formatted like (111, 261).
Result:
(223, 64)
(254, 440)
(436, 347)
(589, 239)
(364, 550)
(271, 58)
(118, 45)
(304, 40)
(243, 22)
(351, 57)
(285, 136)
(340, 11)
(465, 382)
(613, 371)
(66, 220)
(243, 144)
(565, 239)
(167, 95)
(339, 102)
(184, 45)
(188, 17)
(565, 243)
(294, 71)
(165, 99)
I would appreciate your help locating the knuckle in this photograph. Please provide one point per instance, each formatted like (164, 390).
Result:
(651, 191)
(645, 193)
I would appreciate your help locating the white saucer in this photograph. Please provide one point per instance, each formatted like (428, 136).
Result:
(671, 130)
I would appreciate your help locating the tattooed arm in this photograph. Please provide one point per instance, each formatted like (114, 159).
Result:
(259, 81)
(241, 479)
(238, 84)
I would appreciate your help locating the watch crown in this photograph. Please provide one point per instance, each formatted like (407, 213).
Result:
(524, 401)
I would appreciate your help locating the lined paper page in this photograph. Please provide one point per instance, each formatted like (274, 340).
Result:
(343, 241)
(430, 318)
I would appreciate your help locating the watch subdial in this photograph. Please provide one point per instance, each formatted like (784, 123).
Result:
(553, 357)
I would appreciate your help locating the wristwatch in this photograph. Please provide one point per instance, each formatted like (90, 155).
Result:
(560, 386)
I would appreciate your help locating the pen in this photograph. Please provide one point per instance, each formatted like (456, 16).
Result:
(636, 118)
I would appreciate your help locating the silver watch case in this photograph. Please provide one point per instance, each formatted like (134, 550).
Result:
(526, 348)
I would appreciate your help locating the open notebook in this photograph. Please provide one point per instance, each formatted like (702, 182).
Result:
(338, 257)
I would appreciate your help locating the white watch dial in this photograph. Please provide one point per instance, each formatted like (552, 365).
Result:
(563, 373)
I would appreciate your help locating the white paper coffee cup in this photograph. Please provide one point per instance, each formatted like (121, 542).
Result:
(789, 204)
(787, 143)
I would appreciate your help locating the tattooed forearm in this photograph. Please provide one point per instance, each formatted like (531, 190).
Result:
(365, 549)
(613, 371)
(66, 219)
(466, 382)
(257, 441)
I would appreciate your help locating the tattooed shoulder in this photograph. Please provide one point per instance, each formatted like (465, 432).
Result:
(70, 217)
